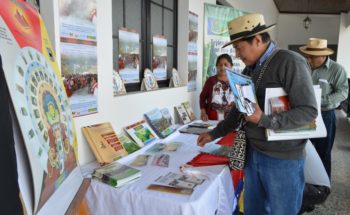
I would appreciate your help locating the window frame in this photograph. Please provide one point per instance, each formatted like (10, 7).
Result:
(146, 40)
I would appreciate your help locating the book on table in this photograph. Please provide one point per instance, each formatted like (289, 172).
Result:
(161, 160)
(170, 189)
(189, 110)
(141, 133)
(116, 174)
(202, 124)
(164, 147)
(167, 115)
(104, 142)
(276, 99)
(216, 149)
(243, 90)
(129, 145)
(159, 123)
(182, 114)
(176, 183)
(194, 130)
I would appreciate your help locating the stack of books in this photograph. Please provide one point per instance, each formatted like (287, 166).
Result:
(276, 101)
(116, 174)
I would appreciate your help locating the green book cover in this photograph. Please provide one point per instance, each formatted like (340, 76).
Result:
(116, 174)
(129, 145)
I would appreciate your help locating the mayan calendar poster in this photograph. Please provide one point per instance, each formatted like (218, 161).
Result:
(40, 103)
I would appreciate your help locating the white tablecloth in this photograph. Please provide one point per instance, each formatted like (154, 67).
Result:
(214, 196)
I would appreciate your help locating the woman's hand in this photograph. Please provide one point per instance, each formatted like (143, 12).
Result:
(204, 117)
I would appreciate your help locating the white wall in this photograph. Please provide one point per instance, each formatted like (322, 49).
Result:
(265, 7)
(343, 44)
(291, 29)
(123, 110)
(197, 7)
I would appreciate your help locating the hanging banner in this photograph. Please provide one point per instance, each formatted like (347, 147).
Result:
(41, 107)
(79, 54)
(216, 35)
(192, 51)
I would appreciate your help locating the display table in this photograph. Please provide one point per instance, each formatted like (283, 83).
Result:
(214, 196)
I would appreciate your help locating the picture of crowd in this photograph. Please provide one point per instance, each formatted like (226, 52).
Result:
(73, 83)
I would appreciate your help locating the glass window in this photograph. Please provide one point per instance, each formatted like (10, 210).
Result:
(148, 18)
(168, 26)
(156, 19)
(133, 14)
(169, 4)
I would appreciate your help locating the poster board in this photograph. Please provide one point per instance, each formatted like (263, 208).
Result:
(78, 47)
(159, 57)
(216, 35)
(192, 51)
(41, 107)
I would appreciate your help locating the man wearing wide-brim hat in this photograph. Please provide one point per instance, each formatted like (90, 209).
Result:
(274, 170)
(332, 79)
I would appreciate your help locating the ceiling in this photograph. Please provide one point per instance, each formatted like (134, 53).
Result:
(313, 6)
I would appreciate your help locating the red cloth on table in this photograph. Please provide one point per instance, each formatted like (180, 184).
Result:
(203, 159)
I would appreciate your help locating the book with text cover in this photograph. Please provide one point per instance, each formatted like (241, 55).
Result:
(320, 130)
(280, 104)
(189, 110)
(141, 133)
(116, 174)
(182, 114)
(180, 180)
(129, 145)
(159, 123)
(243, 90)
(104, 142)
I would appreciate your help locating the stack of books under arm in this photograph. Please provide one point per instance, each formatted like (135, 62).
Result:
(116, 174)
(276, 100)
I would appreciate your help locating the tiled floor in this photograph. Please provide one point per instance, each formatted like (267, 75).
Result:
(338, 202)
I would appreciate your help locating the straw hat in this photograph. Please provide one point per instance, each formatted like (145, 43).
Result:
(316, 47)
(247, 26)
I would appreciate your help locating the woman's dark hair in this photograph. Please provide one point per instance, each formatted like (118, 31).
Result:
(224, 56)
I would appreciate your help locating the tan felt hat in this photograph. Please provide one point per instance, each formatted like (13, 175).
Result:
(316, 47)
(247, 26)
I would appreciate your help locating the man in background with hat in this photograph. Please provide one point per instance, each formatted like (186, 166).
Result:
(274, 170)
(332, 79)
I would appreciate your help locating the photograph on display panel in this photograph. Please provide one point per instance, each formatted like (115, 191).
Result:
(192, 51)
(79, 54)
(40, 104)
(159, 58)
(129, 56)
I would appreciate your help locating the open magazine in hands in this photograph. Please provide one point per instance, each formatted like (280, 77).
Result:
(244, 91)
